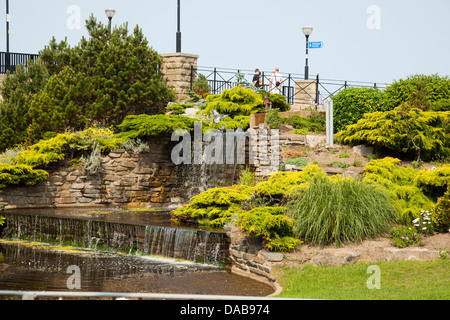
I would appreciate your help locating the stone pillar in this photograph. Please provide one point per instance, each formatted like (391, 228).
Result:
(176, 70)
(305, 93)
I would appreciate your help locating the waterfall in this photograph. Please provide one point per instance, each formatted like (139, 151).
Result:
(177, 243)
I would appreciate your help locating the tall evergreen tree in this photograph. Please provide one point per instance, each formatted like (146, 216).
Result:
(103, 79)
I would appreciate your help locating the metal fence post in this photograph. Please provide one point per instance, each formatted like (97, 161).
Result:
(317, 91)
(214, 86)
(289, 90)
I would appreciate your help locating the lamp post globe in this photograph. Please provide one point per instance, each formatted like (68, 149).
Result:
(110, 12)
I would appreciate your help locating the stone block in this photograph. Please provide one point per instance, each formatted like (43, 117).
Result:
(271, 256)
(393, 254)
(335, 257)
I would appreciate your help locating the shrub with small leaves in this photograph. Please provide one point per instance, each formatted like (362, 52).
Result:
(441, 212)
(403, 236)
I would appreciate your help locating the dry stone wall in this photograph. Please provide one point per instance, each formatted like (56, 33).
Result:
(124, 178)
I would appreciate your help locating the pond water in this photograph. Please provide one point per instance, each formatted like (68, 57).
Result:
(154, 260)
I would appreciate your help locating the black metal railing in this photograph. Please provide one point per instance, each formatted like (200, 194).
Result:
(9, 61)
(294, 87)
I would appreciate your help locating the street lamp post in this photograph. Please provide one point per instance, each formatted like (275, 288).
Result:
(110, 12)
(178, 28)
(7, 57)
(307, 30)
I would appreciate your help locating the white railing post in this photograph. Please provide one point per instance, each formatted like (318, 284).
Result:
(329, 122)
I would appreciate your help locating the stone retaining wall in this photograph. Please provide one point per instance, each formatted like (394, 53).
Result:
(146, 179)
(249, 259)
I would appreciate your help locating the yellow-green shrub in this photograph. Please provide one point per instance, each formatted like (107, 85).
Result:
(402, 185)
(433, 182)
(284, 184)
(390, 130)
(215, 206)
(441, 212)
(272, 225)
(20, 174)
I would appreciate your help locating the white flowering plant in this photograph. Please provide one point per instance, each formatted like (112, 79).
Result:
(424, 224)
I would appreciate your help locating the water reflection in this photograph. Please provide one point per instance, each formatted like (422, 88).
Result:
(40, 267)
(34, 268)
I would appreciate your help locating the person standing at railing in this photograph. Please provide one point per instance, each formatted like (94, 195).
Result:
(276, 82)
(257, 80)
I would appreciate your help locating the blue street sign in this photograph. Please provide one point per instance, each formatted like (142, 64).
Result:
(316, 45)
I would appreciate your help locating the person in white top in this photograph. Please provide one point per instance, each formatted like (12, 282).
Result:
(276, 81)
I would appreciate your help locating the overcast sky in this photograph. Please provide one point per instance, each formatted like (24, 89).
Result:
(367, 40)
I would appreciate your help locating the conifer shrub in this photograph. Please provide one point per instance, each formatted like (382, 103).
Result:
(441, 212)
(20, 174)
(138, 126)
(272, 225)
(281, 185)
(214, 207)
(390, 130)
(434, 182)
(407, 186)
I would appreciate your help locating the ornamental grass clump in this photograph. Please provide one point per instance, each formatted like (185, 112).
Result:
(338, 210)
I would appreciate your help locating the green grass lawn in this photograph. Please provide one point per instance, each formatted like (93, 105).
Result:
(400, 280)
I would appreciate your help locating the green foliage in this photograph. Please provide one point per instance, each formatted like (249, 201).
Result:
(44, 152)
(351, 104)
(344, 155)
(441, 212)
(84, 141)
(2, 222)
(312, 123)
(436, 87)
(18, 91)
(398, 181)
(20, 174)
(433, 183)
(216, 206)
(234, 102)
(178, 109)
(277, 100)
(339, 164)
(299, 162)
(336, 210)
(282, 185)
(273, 118)
(404, 236)
(231, 123)
(272, 225)
(390, 130)
(284, 244)
(441, 105)
(247, 177)
(138, 126)
(101, 80)
(201, 86)
(60, 106)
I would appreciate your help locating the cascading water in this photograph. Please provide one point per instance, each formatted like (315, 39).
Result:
(154, 240)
